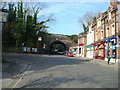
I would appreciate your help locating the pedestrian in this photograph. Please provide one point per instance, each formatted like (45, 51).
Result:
(108, 59)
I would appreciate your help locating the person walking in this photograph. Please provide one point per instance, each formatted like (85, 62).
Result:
(108, 59)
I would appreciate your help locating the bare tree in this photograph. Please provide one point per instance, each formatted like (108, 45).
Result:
(88, 17)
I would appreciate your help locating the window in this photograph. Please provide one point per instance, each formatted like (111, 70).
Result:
(101, 34)
(107, 32)
(99, 23)
(109, 15)
(113, 29)
(96, 36)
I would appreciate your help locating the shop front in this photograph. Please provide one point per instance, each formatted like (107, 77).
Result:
(89, 51)
(99, 49)
(110, 48)
(80, 50)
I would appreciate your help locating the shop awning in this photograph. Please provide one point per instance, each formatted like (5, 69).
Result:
(81, 44)
(94, 44)
(102, 42)
(87, 46)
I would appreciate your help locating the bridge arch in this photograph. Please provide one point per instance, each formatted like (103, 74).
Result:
(57, 42)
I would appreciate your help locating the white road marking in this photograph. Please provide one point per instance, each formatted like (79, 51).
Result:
(76, 66)
(21, 77)
(24, 74)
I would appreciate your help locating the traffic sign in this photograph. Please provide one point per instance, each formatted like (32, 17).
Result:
(39, 38)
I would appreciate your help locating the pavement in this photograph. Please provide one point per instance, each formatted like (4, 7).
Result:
(100, 62)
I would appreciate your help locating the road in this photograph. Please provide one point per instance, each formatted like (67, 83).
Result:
(59, 71)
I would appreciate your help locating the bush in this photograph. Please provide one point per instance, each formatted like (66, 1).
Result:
(9, 49)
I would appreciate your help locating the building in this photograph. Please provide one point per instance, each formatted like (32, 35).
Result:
(106, 34)
(81, 50)
(99, 47)
(103, 36)
(111, 33)
(90, 40)
(118, 6)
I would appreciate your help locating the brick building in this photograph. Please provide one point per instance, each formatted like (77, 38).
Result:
(99, 35)
(81, 50)
(111, 33)
(106, 34)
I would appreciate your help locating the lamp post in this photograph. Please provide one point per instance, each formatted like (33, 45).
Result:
(22, 46)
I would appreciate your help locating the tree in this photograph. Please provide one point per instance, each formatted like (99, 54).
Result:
(85, 20)
(74, 38)
(19, 28)
(7, 31)
(84, 28)
(22, 25)
(87, 17)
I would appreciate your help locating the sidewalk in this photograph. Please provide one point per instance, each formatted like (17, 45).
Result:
(100, 62)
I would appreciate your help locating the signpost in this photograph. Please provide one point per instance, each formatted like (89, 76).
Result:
(39, 38)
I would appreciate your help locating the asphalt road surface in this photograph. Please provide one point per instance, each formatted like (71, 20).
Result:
(59, 71)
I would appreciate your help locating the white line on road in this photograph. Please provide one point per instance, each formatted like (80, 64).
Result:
(76, 66)
(24, 75)
(21, 77)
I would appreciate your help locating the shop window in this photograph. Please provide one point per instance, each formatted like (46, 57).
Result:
(99, 52)
(113, 54)
(79, 50)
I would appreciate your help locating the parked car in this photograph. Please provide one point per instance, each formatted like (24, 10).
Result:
(70, 54)
(66, 53)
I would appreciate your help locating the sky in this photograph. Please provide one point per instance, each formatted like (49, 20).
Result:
(67, 15)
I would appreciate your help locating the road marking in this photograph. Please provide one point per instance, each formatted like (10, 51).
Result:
(76, 66)
(24, 74)
(21, 77)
